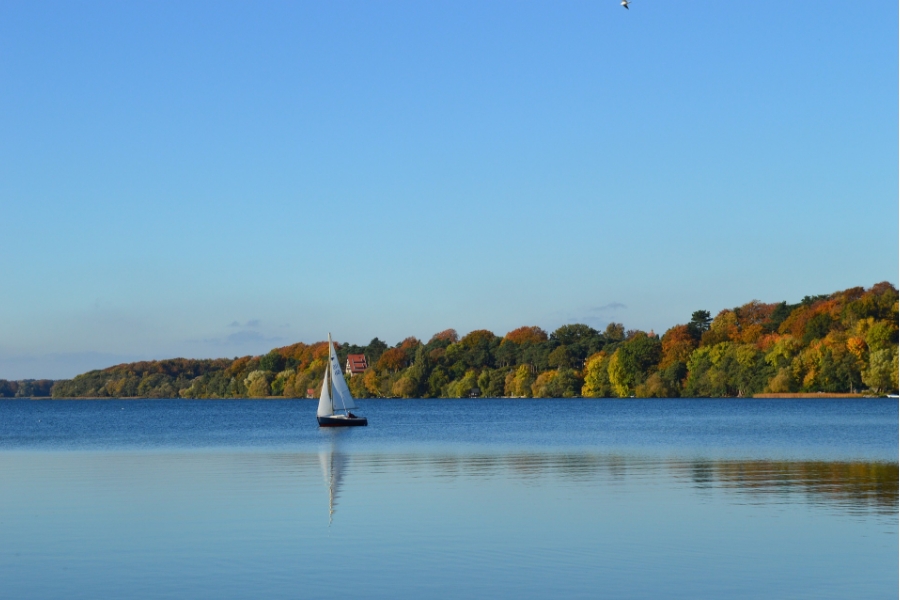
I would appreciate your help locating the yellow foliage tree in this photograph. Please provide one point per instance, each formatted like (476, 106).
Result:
(540, 385)
(372, 383)
(404, 387)
(619, 378)
(518, 382)
(596, 377)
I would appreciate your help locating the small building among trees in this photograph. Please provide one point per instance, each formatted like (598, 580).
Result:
(356, 364)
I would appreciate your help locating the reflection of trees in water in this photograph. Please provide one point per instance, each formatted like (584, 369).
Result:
(852, 484)
(520, 465)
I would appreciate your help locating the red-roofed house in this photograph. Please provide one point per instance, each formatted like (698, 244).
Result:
(356, 364)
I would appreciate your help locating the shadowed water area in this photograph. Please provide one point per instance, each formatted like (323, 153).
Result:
(450, 498)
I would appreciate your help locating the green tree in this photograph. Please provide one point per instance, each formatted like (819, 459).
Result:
(559, 358)
(491, 382)
(436, 382)
(817, 327)
(699, 323)
(580, 341)
(374, 350)
(463, 387)
(881, 372)
(272, 362)
(565, 385)
(726, 369)
(615, 332)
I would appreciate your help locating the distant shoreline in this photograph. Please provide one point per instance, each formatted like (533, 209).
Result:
(844, 344)
(784, 396)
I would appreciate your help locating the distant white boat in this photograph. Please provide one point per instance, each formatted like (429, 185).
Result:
(893, 395)
(336, 401)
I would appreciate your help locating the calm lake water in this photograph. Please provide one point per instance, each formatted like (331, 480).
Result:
(450, 499)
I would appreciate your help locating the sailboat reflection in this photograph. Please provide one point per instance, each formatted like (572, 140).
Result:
(333, 462)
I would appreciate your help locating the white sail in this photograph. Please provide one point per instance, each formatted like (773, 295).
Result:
(343, 399)
(339, 386)
(326, 409)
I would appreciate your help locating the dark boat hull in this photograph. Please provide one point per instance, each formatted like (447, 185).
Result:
(342, 421)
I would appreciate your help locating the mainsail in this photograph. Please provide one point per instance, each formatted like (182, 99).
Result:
(343, 399)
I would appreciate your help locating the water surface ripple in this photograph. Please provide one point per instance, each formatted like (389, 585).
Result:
(448, 499)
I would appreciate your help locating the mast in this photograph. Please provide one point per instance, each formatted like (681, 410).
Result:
(331, 360)
(330, 374)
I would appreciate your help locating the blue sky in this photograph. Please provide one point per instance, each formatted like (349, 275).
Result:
(216, 178)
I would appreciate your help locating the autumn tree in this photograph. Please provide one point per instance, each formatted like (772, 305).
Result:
(392, 360)
(447, 336)
(404, 387)
(518, 382)
(677, 345)
(257, 384)
(526, 335)
(596, 377)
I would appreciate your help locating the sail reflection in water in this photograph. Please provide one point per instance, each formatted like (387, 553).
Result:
(332, 462)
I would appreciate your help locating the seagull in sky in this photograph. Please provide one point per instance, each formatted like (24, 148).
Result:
(625, 3)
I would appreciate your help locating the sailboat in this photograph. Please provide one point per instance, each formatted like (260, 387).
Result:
(336, 397)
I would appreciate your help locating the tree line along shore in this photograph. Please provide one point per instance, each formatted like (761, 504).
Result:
(840, 343)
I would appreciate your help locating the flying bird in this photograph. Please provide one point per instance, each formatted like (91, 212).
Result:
(625, 3)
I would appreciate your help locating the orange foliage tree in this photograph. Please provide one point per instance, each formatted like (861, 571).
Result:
(392, 360)
(677, 345)
(526, 335)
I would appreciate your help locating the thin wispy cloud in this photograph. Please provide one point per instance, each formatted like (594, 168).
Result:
(608, 307)
(249, 337)
(251, 324)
